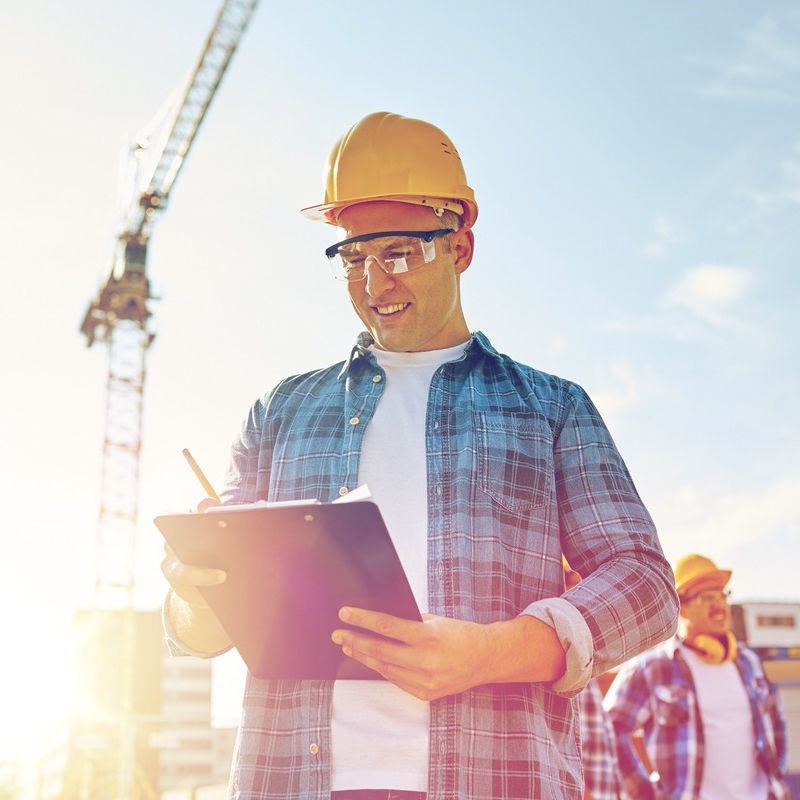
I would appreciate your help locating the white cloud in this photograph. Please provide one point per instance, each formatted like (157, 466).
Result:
(786, 189)
(765, 69)
(711, 292)
(707, 301)
(621, 388)
(691, 519)
(682, 330)
(790, 169)
(664, 235)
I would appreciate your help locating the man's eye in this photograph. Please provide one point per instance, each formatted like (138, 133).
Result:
(352, 259)
(405, 253)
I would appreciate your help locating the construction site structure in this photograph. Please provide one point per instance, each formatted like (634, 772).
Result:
(120, 318)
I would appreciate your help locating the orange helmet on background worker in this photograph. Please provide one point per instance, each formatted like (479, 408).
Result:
(705, 621)
(389, 157)
(694, 573)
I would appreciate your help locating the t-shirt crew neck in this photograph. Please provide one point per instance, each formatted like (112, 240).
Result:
(417, 358)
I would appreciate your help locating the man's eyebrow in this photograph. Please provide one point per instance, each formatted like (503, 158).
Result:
(389, 239)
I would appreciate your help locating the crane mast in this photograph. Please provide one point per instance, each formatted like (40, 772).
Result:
(120, 317)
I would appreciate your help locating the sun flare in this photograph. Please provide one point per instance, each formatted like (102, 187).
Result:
(36, 685)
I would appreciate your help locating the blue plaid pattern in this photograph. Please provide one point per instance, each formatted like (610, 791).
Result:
(655, 695)
(520, 468)
(598, 747)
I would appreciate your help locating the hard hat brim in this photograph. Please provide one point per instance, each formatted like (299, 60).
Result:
(329, 212)
(714, 579)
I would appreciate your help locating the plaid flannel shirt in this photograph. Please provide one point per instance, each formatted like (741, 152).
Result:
(520, 467)
(598, 747)
(655, 694)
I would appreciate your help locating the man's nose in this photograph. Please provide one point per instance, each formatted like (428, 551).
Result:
(376, 279)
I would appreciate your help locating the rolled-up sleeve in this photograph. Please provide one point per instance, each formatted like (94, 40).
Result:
(175, 646)
(575, 638)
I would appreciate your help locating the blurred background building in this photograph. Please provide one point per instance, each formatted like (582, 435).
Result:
(178, 753)
(773, 631)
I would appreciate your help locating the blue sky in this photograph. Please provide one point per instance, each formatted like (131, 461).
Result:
(638, 175)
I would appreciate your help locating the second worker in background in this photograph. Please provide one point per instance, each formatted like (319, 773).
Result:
(709, 717)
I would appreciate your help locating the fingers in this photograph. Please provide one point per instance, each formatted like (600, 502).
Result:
(404, 630)
(176, 571)
(381, 646)
(398, 663)
(206, 503)
(434, 658)
(377, 649)
(186, 579)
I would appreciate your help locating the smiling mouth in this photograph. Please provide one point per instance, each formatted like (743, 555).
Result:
(390, 309)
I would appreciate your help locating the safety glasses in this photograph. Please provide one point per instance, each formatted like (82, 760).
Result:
(710, 597)
(394, 252)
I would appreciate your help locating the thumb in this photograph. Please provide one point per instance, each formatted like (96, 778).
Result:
(206, 503)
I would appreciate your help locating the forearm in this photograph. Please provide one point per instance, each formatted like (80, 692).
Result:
(634, 773)
(194, 627)
(628, 707)
(522, 650)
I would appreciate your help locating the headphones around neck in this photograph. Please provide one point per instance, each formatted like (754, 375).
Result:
(711, 649)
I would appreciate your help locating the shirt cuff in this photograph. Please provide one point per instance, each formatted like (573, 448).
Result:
(575, 638)
(175, 646)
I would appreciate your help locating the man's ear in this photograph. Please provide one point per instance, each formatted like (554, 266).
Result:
(463, 243)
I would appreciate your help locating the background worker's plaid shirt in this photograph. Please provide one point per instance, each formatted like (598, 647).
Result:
(520, 466)
(598, 747)
(655, 694)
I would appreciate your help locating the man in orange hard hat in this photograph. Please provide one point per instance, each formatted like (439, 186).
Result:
(711, 723)
(484, 470)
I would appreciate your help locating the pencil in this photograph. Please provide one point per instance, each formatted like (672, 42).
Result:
(200, 475)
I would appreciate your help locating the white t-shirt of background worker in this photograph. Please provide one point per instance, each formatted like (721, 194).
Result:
(380, 733)
(730, 769)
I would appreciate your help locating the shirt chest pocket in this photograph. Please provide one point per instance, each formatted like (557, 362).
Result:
(514, 455)
(671, 705)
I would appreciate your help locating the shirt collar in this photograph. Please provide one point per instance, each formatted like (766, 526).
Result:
(478, 345)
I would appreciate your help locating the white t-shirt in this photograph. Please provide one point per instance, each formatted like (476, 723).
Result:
(379, 732)
(730, 771)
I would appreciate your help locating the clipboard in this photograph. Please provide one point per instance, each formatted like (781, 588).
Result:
(290, 568)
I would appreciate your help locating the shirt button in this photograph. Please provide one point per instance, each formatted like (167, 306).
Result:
(436, 425)
(314, 749)
(354, 420)
(438, 491)
(343, 491)
(377, 378)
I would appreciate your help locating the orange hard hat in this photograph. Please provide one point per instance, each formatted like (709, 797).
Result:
(388, 157)
(695, 573)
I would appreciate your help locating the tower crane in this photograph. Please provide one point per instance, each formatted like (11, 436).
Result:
(120, 317)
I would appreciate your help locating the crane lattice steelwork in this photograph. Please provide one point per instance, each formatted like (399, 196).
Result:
(120, 317)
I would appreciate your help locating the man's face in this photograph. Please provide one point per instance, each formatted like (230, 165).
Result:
(413, 311)
(706, 612)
